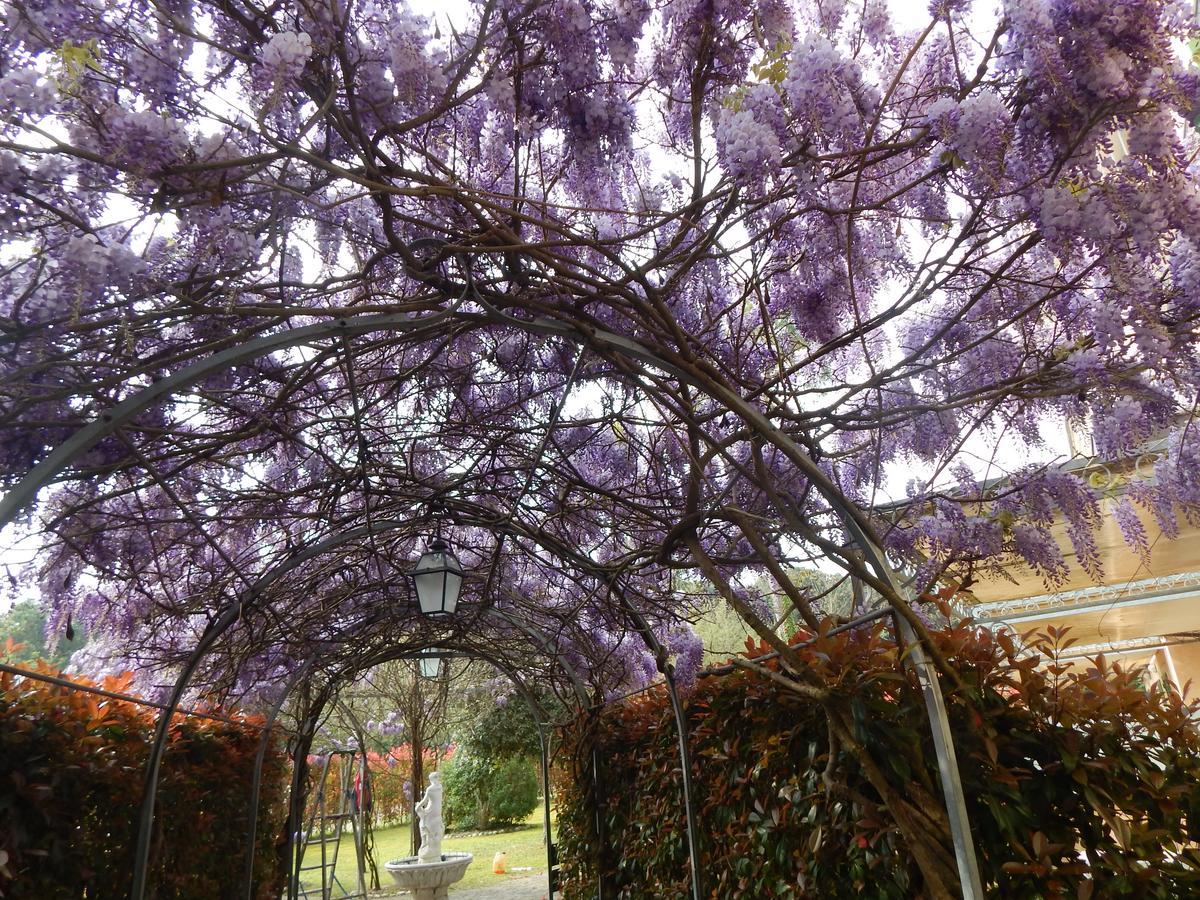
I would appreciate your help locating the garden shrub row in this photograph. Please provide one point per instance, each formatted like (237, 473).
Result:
(71, 780)
(391, 785)
(1081, 784)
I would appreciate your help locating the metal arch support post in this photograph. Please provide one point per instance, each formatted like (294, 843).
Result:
(539, 714)
(141, 862)
(943, 743)
(681, 734)
(256, 787)
(943, 738)
(581, 694)
(598, 797)
(304, 739)
(25, 491)
(544, 746)
(551, 851)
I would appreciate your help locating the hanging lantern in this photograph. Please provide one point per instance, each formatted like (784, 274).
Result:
(438, 579)
(429, 666)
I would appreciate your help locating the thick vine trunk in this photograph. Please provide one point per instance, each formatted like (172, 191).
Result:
(417, 748)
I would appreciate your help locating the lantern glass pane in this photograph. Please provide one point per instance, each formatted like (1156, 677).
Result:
(430, 666)
(453, 587)
(430, 590)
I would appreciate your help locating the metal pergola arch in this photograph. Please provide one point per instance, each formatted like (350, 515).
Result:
(233, 612)
(608, 344)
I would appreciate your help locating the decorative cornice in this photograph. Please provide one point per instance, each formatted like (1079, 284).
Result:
(1127, 645)
(1146, 590)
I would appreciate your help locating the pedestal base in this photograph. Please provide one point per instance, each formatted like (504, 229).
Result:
(436, 893)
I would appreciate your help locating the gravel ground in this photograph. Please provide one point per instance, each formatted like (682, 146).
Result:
(532, 887)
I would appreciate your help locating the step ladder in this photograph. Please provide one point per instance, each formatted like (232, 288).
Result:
(329, 820)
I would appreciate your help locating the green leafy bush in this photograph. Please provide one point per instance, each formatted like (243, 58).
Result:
(514, 791)
(485, 792)
(71, 778)
(1080, 785)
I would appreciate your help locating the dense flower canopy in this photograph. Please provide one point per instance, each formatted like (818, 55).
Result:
(664, 279)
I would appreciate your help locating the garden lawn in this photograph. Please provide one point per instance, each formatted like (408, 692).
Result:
(524, 845)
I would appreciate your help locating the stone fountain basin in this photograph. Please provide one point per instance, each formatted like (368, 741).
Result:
(428, 879)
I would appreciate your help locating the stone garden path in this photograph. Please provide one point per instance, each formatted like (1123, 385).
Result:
(531, 887)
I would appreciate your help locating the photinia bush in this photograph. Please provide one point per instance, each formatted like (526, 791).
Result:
(391, 782)
(1080, 783)
(71, 779)
(391, 785)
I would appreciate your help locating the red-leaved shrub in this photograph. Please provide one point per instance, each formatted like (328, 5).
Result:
(72, 766)
(1081, 784)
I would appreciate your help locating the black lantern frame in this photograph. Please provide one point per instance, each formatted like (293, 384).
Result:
(437, 580)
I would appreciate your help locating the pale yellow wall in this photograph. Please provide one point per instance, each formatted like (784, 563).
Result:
(1186, 658)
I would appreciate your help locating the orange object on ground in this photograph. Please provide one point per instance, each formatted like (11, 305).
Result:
(500, 863)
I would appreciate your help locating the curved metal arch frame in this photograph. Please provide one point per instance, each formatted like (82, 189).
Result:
(682, 736)
(256, 784)
(25, 491)
(212, 634)
(224, 620)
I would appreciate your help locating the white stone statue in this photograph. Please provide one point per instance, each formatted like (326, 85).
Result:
(429, 811)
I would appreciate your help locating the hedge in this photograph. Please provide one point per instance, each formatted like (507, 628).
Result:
(71, 779)
(1080, 783)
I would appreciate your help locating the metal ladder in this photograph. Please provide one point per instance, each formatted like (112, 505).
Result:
(326, 827)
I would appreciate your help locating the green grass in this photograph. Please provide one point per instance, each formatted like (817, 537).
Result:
(524, 846)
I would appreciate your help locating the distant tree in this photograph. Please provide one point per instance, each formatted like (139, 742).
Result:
(482, 792)
(501, 729)
(724, 632)
(421, 703)
(25, 624)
